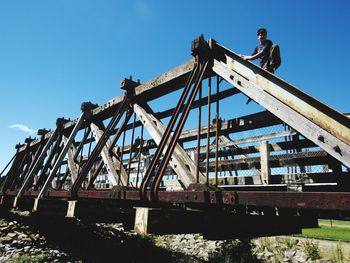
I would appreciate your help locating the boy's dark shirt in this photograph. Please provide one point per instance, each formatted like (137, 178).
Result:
(266, 47)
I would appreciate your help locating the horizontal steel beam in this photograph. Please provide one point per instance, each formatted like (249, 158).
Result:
(166, 83)
(332, 201)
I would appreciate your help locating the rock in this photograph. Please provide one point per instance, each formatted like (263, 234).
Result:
(22, 236)
(6, 239)
(26, 248)
(269, 254)
(260, 255)
(4, 228)
(27, 239)
(11, 235)
(290, 253)
(24, 213)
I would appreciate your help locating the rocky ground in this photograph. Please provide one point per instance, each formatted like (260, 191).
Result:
(25, 238)
(19, 241)
(36, 239)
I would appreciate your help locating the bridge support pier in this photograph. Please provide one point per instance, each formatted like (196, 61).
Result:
(141, 220)
(264, 161)
(71, 209)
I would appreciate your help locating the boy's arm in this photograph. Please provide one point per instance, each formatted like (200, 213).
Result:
(255, 56)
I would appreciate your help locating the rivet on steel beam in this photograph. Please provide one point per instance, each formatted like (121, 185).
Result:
(337, 149)
(321, 138)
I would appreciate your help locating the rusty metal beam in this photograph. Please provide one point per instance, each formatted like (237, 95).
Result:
(306, 127)
(166, 83)
(112, 164)
(321, 114)
(281, 160)
(59, 160)
(331, 201)
(37, 164)
(324, 141)
(319, 123)
(181, 163)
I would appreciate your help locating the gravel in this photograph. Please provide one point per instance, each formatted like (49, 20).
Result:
(63, 240)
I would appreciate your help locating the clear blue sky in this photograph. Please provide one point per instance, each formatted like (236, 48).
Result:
(56, 54)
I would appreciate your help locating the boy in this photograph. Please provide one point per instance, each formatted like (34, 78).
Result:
(262, 51)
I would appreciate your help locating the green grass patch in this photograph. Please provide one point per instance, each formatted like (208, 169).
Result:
(30, 259)
(341, 233)
(334, 223)
(329, 228)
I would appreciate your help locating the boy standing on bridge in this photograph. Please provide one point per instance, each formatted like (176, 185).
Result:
(262, 51)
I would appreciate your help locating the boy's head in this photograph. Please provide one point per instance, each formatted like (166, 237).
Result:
(262, 30)
(262, 33)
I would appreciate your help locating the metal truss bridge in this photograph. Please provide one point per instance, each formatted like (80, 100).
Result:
(175, 154)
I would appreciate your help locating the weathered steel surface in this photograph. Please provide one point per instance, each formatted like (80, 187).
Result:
(161, 85)
(292, 156)
(181, 163)
(322, 201)
(332, 201)
(305, 126)
(314, 110)
(115, 170)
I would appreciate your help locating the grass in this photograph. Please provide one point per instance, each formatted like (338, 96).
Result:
(328, 232)
(234, 251)
(311, 249)
(334, 229)
(30, 259)
(334, 223)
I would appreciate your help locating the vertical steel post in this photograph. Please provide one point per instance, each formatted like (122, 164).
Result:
(52, 156)
(140, 153)
(121, 155)
(36, 165)
(131, 148)
(177, 132)
(61, 156)
(217, 132)
(164, 141)
(199, 133)
(208, 130)
(86, 134)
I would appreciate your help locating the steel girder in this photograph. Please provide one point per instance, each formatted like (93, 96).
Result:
(297, 144)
